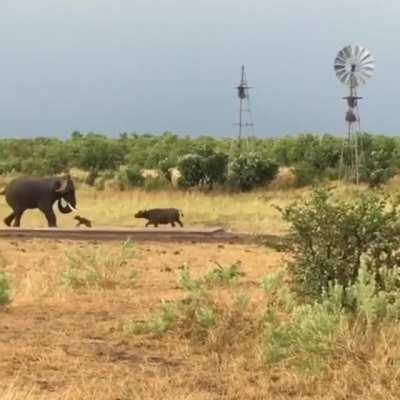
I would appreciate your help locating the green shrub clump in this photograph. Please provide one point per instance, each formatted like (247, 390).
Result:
(4, 289)
(330, 239)
(251, 170)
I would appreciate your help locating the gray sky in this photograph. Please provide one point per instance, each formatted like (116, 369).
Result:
(154, 65)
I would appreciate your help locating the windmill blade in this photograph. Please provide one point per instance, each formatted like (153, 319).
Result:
(354, 65)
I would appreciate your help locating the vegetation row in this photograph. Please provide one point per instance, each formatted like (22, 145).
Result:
(204, 161)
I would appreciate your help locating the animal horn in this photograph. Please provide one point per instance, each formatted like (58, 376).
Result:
(63, 186)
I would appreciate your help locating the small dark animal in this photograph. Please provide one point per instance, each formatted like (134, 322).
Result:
(161, 216)
(83, 221)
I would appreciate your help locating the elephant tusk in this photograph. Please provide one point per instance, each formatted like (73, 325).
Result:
(71, 208)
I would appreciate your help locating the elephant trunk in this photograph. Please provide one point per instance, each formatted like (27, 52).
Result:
(64, 209)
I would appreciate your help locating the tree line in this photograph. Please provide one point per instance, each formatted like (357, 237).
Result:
(204, 161)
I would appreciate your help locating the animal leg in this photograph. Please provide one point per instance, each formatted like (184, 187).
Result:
(148, 223)
(17, 220)
(173, 224)
(9, 219)
(179, 222)
(51, 218)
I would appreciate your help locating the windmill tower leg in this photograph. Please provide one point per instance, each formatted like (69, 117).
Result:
(245, 116)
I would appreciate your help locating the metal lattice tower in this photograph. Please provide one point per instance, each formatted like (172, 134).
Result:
(353, 66)
(245, 123)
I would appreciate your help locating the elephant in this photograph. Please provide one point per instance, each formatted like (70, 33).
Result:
(31, 192)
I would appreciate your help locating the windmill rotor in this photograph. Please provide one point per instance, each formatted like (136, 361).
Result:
(354, 65)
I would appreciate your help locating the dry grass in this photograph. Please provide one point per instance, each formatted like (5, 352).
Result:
(249, 212)
(252, 212)
(59, 342)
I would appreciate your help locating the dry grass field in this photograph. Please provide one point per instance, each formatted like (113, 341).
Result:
(57, 341)
(67, 333)
(249, 212)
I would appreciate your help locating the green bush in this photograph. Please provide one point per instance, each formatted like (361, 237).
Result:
(329, 239)
(250, 170)
(130, 177)
(4, 289)
(306, 174)
(306, 336)
(206, 167)
(191, 167)
(309, 335)
(377, 169)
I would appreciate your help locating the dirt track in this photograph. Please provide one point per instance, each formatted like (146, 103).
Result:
(212, 235)
(154, 234)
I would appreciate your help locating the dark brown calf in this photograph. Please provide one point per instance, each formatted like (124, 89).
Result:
(161, 216)
(83, 221)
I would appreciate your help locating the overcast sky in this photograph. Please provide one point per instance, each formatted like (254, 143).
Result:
(154, 65)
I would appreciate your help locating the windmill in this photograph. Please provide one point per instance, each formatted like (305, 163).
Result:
(245, 123)
(354, 65)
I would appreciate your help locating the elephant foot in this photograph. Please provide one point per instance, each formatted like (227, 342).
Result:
(9, 219)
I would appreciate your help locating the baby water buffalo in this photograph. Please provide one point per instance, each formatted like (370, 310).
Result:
(160, 216)
(83, 221)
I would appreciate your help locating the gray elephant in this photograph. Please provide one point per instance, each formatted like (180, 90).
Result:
(34, 192)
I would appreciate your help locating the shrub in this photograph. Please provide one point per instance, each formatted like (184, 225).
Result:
(4, 289)
(205, 168)
(329, 239)
(158, 325)
(215, 164)
(250, 170)
(191, 167)
(223, 275)
(377, 168)
(95, 268)
(130, 177)
(308, 335)
(305, 174)
(199, 312)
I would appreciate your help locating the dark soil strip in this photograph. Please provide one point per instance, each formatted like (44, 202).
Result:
(213, 235)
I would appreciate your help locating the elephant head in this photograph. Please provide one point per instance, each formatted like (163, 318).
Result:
(65, 190)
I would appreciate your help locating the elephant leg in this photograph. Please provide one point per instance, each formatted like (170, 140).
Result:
(18, 215)
(173, 224)
(148, 223)
(180, 223)
(9, 219)
(50, 216)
